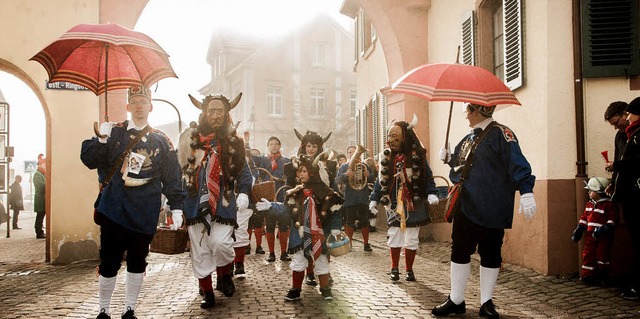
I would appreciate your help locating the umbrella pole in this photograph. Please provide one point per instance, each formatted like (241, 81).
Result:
(106, 79)
(446, 139)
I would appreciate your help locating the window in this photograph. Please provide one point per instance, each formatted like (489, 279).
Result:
(498, 33)
(353, 99)
(274, 100)
(468, 38)
(498, 46)
(610, 38)
(319, 53)
(317, 102)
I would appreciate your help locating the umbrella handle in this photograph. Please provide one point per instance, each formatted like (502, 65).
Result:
(96, 130)
(446, 139)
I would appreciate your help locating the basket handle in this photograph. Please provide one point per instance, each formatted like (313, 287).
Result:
(443, 178)
(273, 178)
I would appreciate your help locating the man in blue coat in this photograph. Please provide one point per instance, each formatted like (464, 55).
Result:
(499, 169)
(129, 206)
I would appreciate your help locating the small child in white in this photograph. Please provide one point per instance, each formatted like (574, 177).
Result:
(598, 219)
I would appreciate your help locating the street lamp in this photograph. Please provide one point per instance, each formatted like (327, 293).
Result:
(177, 111)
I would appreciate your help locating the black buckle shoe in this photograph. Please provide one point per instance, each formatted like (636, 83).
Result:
(259, 250)
(208, 301)
(272, 258)
(239, 272)
(488, 310)
(226, 286)
(285, 257)
(130, 314)
(293, 294)
(410, 276)
(367, 247)
(448, 307)
(103, 315)
(311, 280)
(394, 275)
(631, 294)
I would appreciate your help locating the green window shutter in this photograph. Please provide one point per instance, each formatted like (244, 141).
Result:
(469, 38)
(513, 43)
(610, 38)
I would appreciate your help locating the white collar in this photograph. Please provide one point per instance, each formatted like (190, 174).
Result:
(483, 125)
(132, 125)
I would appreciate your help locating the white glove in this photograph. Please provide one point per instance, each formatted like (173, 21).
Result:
(105, 129)
(263, 204)
(528, 205)
(433, 199)
(372, 207)
(335, 232)
(444, 154)
(176, 216)
(242, 201)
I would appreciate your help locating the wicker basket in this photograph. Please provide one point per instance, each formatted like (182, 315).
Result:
(263, 189)
(338, 246)
(437, 212)
(167, 241)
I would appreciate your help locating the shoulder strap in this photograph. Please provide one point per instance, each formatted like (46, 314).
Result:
(125, 153)
(469, 161)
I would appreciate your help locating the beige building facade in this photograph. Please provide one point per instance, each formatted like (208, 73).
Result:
(560, 125)
(302, 80)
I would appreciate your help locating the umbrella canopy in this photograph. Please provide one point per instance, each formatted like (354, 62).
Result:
(104, 57)
(455, 82)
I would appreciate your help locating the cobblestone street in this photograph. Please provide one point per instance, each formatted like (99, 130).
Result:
(34, 289)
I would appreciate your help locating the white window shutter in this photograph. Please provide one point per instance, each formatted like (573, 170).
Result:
(385, 121)
(513, 43)
(375, 112)
(468, 38)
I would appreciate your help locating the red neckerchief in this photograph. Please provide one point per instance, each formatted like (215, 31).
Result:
(274, 160)
(312, 224)
(632, 128)
(406, 192)
(212, 170)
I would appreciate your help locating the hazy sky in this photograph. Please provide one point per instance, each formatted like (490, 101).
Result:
(182, 29)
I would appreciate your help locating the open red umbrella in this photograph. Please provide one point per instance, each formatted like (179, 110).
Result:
(103, 57)
(454, 82)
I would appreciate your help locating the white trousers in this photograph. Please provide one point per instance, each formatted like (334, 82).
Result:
(407, 238)
(209, 251)
(300, 263)
(242, 236)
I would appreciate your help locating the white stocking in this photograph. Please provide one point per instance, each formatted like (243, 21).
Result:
(459, 276)
(105, 291)
(488, 278)
(134, 283)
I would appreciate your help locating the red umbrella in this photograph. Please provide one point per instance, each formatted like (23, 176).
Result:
(103, 57)
(454, 82)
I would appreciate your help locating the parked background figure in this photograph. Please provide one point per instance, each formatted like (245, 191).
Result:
(274, 163)
(597, 221)
(39, 182)
(15, 200)
(627, 191)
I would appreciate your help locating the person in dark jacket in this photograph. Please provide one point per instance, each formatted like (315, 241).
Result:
(39, 181)
(498, 169)
(627, 191)
(130, 203)
(15, 200)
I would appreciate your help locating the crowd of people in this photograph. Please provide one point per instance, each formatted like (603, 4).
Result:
(318, 195)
